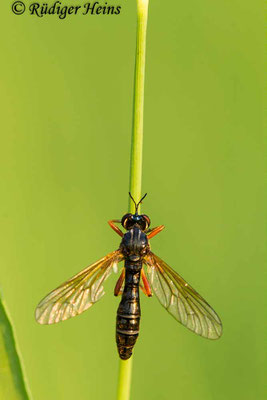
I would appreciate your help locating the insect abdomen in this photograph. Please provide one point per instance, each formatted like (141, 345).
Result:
(129, 313)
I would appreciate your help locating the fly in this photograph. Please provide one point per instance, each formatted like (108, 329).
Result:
(84, 289)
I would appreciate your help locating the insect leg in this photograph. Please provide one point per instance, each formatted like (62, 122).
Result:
(142, 288)
(114, 227)
(155, 231)
(146, 289)
(119, 283)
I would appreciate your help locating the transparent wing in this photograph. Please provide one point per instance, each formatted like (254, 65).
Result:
(181, 300)
(78, 293)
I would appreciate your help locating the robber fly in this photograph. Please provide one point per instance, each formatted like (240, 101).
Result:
(86, 288)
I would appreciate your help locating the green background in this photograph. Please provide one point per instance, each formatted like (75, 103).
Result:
(66, 102)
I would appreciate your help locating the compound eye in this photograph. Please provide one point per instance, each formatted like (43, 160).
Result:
(125, 220)
(147, 220)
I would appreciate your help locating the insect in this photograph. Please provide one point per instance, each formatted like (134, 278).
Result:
(84, 289)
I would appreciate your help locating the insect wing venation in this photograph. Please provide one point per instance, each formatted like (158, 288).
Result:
(181, 300)
(78, 293)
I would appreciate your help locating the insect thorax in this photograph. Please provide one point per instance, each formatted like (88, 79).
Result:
(134, 244)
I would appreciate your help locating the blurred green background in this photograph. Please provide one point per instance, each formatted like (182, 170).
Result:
(66, 102)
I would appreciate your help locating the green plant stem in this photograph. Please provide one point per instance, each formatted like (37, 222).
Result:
(124, 383)
(125, 370)
(138, 107)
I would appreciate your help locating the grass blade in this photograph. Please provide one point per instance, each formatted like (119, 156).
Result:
(12, 383)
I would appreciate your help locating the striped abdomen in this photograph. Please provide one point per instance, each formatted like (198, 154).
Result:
(129, 313)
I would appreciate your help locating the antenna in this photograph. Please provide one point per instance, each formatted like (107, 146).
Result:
(140, 201)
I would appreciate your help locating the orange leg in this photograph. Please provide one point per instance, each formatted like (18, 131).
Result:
(146, 289)
(142, 288)
(114, 227)
(155, 231)
(119, 283)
